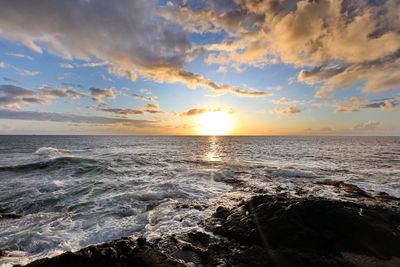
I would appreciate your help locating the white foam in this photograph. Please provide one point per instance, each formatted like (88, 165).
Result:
(51, 152)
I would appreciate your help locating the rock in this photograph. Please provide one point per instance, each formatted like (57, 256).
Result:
(310, 231)
(385, 196)
(122, 252)
(2, 252)
(267, 230)
(10, 216)
(349, 187)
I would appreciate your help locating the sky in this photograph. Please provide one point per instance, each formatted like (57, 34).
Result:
(271, 67)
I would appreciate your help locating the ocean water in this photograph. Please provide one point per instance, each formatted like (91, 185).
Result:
(74, 191)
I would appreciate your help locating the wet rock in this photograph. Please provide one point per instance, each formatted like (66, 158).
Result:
(122, 252)
(348, 187)
(386, 197)
(10, 216)
(192, 205)
(310, 231)
(268, 230)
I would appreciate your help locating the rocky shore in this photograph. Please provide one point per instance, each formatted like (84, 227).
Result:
(358, 228)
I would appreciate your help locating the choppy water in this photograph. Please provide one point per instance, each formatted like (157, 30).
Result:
(79, 190)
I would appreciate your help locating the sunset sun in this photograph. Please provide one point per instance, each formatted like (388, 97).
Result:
(214, 123)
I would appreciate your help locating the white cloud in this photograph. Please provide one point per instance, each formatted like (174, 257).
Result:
(343, 42)
(283, 112)
(366, 126)
(20, 56)
(66, 65)
(125, 35)
(145, 91)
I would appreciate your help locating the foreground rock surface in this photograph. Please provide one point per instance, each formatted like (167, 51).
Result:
(311, 231)
(267, 230)
(123, 252)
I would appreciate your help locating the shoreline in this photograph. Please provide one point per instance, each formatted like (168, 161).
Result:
(358, 228)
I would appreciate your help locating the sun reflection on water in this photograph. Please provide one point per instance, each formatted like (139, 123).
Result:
(213, 154)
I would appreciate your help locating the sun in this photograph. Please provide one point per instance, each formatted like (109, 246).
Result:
(214, 123)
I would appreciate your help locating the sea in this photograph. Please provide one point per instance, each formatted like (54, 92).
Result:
(73, 191)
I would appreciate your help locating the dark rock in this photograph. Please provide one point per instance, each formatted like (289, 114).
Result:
(348, 187)
(2, 252)
(267, 230)
(123, 252)
(310, 231)
(10, 216)
(385, 196)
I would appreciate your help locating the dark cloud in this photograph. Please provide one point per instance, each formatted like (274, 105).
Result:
(73, 85)
(355, 104)
(58, 117)
(6, 79)
(12, 96)
(99, 93)
(198, 111)
(147, 109)
(194, 111)
(60, 92)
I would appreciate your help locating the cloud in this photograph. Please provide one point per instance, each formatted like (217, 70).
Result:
(20, 56)
(355, 104)
(140, 97)
(6, 79)
(73, 85)
(222, 69)
(2, 64)
(275, 88)
(59, 117)
(24, 72)
(263, 111)
(198, 111)
(125, 35)
(76, 65)
(338, 42)
(66, 65)
(322, 130)
(192, 80)
(98, 94)
(13, 97)
(105, 78)
(152, 106)
(283, 112)
(94, 64)
(284, 101)
(124, 112)
(194, 112)
(366, 126)
(60, 92)
(145, 91)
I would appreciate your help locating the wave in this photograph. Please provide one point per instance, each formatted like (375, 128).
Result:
(58, 162)
(52, 153)
(291, 174)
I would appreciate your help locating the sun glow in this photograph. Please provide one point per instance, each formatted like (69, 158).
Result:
(214, 123)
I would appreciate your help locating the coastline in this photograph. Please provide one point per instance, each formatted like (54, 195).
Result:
(271, 228)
